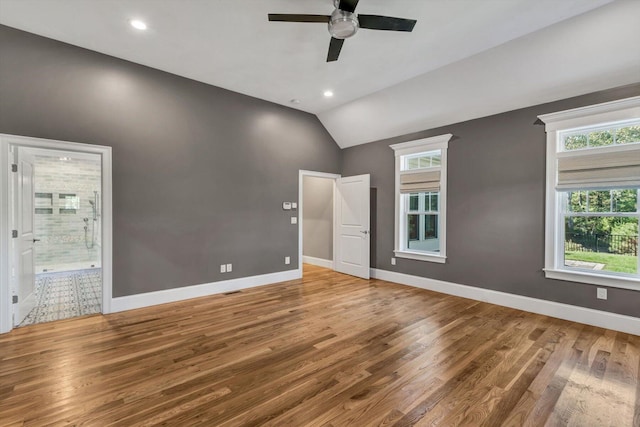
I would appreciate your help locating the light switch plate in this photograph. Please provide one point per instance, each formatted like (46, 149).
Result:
(287, 260)
(286, 206)
(223, 268)
(229, 268)
(294, 205)
(294, 220)
(393, 261)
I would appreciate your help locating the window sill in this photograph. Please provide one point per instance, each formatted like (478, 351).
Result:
(421, 256)
(593, 279)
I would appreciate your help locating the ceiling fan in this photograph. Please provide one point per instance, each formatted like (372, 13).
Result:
(344, 23)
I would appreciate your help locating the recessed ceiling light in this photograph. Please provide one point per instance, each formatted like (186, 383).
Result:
(137, 24)
(328, 93)
(295, 101)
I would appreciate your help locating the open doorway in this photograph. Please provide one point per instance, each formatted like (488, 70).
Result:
(59, 193)
(58, 216)
(334, 222)
(317, 218)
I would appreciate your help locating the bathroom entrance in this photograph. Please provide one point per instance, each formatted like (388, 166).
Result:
(60, 235)
(58, 230)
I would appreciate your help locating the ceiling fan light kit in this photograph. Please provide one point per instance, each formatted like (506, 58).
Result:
(344, 23)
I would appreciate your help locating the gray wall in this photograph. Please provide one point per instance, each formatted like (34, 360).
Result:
(199, 172)
(496, 199)
(317, 213)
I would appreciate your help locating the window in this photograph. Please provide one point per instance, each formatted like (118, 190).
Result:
(421, 188)
(593, 182)
(422, 220)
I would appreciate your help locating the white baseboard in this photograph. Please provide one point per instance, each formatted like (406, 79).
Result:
(589, 316)
(148, 299)
(320, 262)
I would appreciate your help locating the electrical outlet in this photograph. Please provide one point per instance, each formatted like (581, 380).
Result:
(294, 220)
(287, 260)
(294, 205)
(601, 293)
(223, 268)
(393, 261)
(229, 268)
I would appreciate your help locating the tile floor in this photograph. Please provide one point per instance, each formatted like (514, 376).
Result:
(66, 294)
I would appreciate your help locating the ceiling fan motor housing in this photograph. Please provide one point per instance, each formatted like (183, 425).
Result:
(342, 24)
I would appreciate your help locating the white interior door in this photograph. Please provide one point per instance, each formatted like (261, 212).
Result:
(352, 234)
(25, 268)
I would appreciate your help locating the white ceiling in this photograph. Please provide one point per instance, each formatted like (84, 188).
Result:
(465, 58)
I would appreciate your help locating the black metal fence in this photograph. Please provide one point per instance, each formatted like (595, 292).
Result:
(608, 243)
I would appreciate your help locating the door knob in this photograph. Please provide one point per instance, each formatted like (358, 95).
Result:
(365, 232)
(36, 240)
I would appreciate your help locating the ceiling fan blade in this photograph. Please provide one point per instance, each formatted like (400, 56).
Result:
(388, 23)
(348, 5)
(334, 49)
(285, 17)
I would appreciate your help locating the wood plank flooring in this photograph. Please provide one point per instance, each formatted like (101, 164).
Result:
(328, 350)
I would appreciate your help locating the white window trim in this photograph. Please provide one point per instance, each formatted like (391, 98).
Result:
(564, 121)
(440, 142)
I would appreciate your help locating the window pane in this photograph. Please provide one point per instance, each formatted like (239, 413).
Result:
(599, 201)
(412, 227)
(426, 238)
(628, 135)
(575, 142)
(422, 160)
(600, 138)
(434, 202)
(615, 201)
(577, 201)
(605, 243)
(625, 200)
(431, 226)
(413, 202)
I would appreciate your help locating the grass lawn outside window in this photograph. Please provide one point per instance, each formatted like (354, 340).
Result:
(612, 262)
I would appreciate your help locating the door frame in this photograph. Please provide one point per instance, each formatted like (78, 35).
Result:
(7, 142)
(332, 176)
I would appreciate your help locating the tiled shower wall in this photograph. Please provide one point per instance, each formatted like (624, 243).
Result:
(64, 186)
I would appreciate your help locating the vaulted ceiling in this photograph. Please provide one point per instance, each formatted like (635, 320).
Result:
(465, 58)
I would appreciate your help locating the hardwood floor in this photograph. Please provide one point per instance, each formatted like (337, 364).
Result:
(329, 350)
